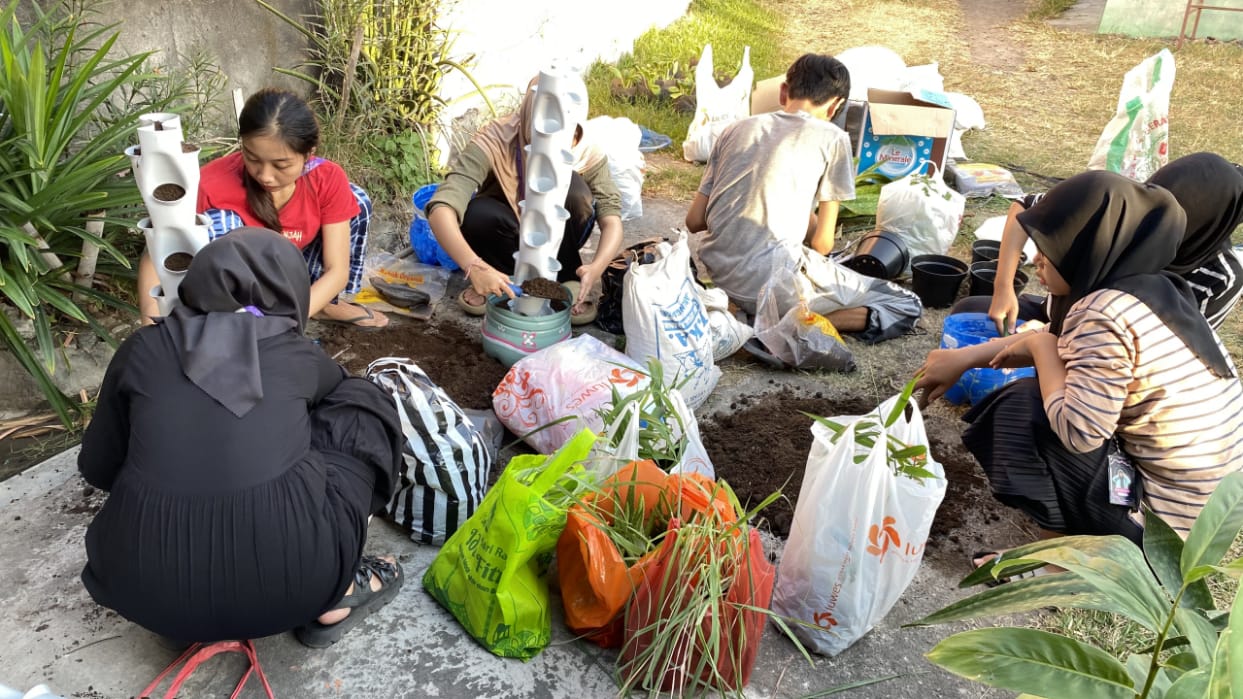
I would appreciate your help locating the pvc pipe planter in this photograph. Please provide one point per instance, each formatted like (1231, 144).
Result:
(166, 171)
(560, 105)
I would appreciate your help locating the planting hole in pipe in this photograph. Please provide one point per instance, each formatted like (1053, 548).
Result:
(541, 177)
(536, 237)
(189, 147)
(169, 192)
(178, 261)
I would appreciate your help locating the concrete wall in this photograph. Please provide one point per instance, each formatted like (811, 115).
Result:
(1165, 18)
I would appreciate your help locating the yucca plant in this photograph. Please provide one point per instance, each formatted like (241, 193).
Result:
(1198, 650)
(60, 158)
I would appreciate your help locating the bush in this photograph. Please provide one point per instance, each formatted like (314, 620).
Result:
(69, 111)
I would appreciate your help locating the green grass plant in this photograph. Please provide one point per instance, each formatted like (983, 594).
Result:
(729, 25)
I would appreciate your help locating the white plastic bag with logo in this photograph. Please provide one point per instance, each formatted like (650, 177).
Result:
(663, 317)
(924, 211)
(716, 107)
(548, 396)
(1136, 142)
(859, 530)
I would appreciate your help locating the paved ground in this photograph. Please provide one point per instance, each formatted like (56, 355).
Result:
(51, 632)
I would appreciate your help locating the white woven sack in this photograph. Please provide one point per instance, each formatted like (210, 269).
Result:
(664, 317)
(446, 459)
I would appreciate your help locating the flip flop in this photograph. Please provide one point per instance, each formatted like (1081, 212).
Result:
(353, 321)
(468, 308)
(361, 602)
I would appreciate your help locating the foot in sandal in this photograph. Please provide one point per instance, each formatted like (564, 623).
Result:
(376, 582)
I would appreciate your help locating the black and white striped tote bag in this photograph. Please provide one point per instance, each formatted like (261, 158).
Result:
(446, 459)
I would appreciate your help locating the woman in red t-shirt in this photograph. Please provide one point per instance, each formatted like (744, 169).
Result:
(276, 181)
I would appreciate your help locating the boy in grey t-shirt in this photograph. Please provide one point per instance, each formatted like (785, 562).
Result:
(764, 177)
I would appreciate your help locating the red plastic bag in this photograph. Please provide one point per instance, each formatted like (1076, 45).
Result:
(595, 580)
(673, 582)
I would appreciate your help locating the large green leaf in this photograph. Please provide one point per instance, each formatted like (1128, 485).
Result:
(1164, 548)
(1192, 685)
(1036, 662)
(1112, 565)
(1201, 635)
(1064, 590)
(1216, 526)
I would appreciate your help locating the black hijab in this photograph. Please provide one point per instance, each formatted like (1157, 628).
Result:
(1101, 230)
(1210, 190)
(246, 286)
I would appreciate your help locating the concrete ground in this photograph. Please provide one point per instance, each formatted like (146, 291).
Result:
(51, 632)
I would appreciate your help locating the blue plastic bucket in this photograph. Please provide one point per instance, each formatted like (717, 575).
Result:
(426, 249)
(965, 329)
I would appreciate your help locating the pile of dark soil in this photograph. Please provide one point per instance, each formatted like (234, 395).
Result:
(762, 448)
(453, 358)
(545, 289)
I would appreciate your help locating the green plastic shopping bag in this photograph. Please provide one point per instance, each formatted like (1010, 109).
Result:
(490, 573)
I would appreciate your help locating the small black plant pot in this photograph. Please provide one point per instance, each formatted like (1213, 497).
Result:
(936, 279)
(983, 273)
(985, 250)
(880, 254)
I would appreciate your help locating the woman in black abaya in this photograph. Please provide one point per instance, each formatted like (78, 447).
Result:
(242, 464)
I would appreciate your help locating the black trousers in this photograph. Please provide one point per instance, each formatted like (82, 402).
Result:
(491, 228)
(1029, 468)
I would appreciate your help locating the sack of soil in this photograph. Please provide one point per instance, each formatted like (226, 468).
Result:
(446, 457)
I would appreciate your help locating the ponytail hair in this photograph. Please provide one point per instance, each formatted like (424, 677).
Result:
(284, 115)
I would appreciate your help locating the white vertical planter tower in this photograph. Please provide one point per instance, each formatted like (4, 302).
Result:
(560, 106)
(166, 170)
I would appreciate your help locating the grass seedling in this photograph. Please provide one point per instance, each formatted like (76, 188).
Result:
(661, 433)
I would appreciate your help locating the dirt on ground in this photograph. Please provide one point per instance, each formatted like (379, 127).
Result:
(758, 443)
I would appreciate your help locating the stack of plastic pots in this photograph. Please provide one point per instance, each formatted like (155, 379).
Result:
(560, 106)
(166, 170)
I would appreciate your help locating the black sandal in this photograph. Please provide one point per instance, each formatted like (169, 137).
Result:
(361, 602)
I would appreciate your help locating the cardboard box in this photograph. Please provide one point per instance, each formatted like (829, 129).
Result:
(766, 97)
(905, 131)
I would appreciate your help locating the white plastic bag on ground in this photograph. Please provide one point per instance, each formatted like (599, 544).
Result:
(563, 384)
(716, 107)
(664, 318)
(799, 337)
(619, 138)
(924, 210)
(1136, 142)
(968, 114)
(624, 432)
(872, 66)
(728, 333)
(446, 459)
(858, 533)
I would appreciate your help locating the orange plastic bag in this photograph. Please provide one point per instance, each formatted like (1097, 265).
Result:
(595, 580)
(665, 590)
